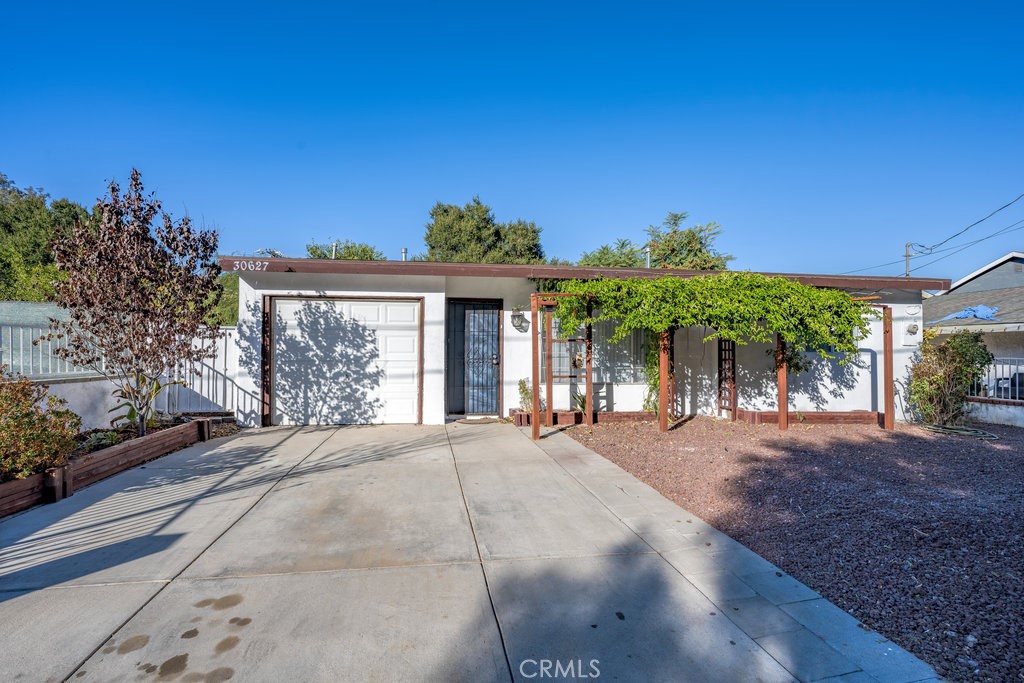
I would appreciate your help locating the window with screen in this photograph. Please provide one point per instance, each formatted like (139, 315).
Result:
(616, 363)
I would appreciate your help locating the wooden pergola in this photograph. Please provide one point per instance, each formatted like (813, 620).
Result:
(727, 398)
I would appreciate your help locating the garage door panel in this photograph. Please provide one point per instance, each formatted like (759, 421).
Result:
(368, 313)
(398, 346)
(402, 313)
(345, 361)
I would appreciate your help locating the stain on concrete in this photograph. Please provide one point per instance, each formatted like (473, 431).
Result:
(79, 674)
(228, 643)
(132, 644)
(621, 616)
(216, 676)
(227, 601)
(240, 621)
(173, 666)
(196, 620)
(191, 633)
(108, 649)
(204, 603)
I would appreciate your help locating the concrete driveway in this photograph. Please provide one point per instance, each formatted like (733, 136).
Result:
(458, 553)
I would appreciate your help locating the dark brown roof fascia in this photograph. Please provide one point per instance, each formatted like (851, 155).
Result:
(246, 264)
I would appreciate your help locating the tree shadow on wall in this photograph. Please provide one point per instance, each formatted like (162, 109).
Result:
(826, 379)
(821, 382)
(325, 367)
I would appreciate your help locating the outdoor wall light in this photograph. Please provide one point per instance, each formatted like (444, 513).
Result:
(519, 320)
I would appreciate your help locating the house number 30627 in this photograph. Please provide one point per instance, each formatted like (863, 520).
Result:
(250, 265)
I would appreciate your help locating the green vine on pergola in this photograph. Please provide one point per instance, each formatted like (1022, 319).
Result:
(742, 307)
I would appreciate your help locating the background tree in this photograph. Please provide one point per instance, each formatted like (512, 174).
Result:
(226, 312)
(347, 250)
(139, 296)
(29, 222)
(622, 254)
(470, 234)
(673, 246)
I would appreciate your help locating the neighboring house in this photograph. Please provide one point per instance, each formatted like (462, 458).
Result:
(991, 301)
(357, 342)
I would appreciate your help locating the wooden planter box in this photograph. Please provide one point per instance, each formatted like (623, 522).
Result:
(59, 482)
(562, 417)
(756, 417)
(21, 493)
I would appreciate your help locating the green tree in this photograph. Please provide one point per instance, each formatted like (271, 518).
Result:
(470, 234)
(622, 254)
(673, 246)
(226, 312)
(29, 223)
(347, 251)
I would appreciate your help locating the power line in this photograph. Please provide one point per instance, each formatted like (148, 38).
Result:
(880, 265)
(1013, 227)
(930, 251)
(932, 248)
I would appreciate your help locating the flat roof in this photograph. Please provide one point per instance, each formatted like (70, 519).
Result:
(244, 265)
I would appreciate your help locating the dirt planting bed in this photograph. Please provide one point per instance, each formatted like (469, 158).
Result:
(916, 534)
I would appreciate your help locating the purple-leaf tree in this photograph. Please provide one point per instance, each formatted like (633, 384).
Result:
(139, 295)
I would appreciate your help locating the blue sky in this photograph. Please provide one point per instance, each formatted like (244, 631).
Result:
(822, 136)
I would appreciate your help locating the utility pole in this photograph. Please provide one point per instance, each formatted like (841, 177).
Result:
(906, 257)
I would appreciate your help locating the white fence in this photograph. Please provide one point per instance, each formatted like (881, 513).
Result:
(208, 386)
(23, 354)
(1004, 379)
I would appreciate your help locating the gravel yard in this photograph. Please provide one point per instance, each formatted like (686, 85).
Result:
(916, 534)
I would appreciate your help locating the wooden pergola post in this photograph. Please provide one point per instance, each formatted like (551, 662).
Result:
(535, 342)
(663, 380)
(780, 371)
(889, 417)
(549, 368)
(588, 418)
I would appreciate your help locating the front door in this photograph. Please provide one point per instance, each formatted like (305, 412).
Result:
(473, 360)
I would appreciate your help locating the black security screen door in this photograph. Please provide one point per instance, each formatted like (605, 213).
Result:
(473, 363)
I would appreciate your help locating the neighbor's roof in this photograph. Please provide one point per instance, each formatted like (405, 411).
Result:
(1009, 317)
(984, 269)
(245, 265)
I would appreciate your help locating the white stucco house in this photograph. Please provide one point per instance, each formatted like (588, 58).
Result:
(353, 342)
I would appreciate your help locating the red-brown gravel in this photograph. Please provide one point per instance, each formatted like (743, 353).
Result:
(916, 534)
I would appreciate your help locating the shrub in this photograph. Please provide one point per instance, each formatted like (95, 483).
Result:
(98, 440)
(942, 377)
(36, 430)
(525, 396)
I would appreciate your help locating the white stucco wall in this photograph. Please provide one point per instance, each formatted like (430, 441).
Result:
(997, 414)
(856, 386)
(90, 398)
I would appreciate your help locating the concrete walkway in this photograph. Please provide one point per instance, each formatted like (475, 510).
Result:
(465, 553)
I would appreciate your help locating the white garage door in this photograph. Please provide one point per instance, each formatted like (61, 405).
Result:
(352, 361)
